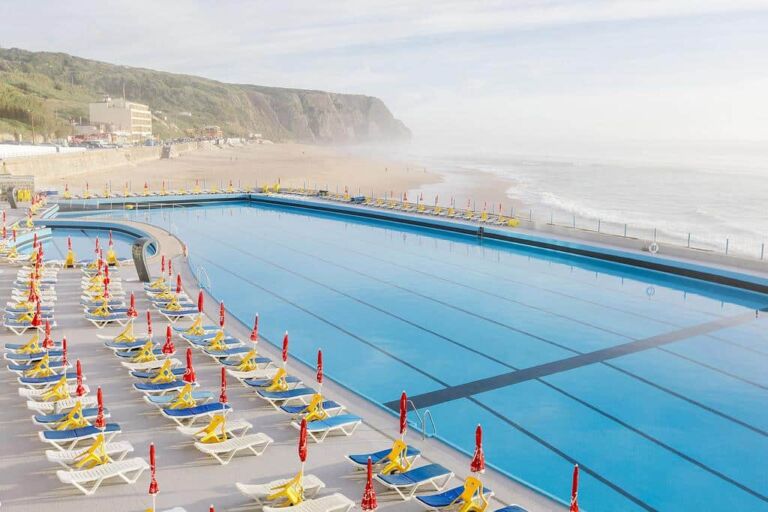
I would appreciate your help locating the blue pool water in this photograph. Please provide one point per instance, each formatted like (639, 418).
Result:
(679, 424)
(84, 243)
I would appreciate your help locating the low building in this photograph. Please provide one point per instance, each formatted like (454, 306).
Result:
(212, 132)
(124, 117)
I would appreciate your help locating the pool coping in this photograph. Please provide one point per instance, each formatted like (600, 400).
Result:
(755, 281)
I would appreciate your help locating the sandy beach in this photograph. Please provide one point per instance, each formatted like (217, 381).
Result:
(296, 165)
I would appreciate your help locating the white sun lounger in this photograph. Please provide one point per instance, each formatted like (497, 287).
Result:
(60, 406)
(231, 427)
(89, 480)
(259, 492)
(37, 393)
(116, 451)
(334, 503)
(225, 451)
(318, 430)
(150, 365)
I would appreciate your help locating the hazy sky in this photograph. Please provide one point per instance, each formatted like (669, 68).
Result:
(517, 71)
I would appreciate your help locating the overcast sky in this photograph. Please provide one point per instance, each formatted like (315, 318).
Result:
(518, 70)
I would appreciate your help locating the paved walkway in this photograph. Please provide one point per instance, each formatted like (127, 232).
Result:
(188, 478)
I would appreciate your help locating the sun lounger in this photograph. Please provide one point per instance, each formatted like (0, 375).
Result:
(291, 381)
(408, 483)
(51, 420)
(229, 352)
(199, 397)
(42, 382)
(174, 316)
(38, 393)
(89, 480)
(36, 356)
(68, 439)
(148, 374)
(329, 406)
(318, 430)
(57, 366)
(512, 508)
(333, 503)
(225, 451)
(149, 365)
(278, 398)
(360, 461)
(231, 428)
(188, 415)
(126, 345)
(101, 321)
(60, 406)
(19, 328)
(128, 354)
(161, 387)
(116, 451)
(259, 492)
(229, 341)
(446, 500)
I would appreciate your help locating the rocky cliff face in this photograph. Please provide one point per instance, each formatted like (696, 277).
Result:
(60, 85)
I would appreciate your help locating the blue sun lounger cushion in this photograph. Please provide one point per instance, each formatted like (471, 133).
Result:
(194, 338)
(376, 457)
(512, 508)
(76, 433)
(197, 410)
(160, 386)
(126, 345)
(258, 360)
(46, 380)
(25, 367)
(205, 328)
(229, 352)
(33, 357)
(263, 383)
(90, 412)
(141, 374)
(328, 405)
(181, 312)
(228, 340)
(415, 477)
(167, 399)
(285, 395)
(127, 354)
(445, 498)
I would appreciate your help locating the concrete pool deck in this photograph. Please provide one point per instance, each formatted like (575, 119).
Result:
(186, 477)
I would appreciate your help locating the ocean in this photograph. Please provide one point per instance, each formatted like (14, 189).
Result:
(717, 194)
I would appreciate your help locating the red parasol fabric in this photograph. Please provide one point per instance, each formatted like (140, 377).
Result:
(320, 367)
(478, 461)
(80, 389)
(168, 347)
(200, 301)
(162, 264)
(153, 487)
(48, 341)
(303, 441)
(34, 240)
(149, 325)
(575, 490)
(132, 313)
(100, 421)
(221, 314)
(64, 351)
(36, 318)
(106, 274)
(223, 395)
(189, 374)
(106, 289)
(255, 331)
(403, 414)
(98, 246)
(110, 238)
(178, 283)
(369, 495)
(285, 348)
(170, 269)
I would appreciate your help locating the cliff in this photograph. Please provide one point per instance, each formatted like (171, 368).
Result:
(52, 88)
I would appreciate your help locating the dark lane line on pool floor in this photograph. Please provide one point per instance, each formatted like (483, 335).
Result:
(592, 407)
(598, 356)
(534, 336)
(545, 289)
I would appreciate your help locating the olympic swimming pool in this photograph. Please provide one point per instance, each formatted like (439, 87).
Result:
(680, 422)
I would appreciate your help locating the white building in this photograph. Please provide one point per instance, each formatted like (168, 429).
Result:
(121, 116)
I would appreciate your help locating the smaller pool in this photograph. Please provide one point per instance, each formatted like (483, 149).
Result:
(84, 243)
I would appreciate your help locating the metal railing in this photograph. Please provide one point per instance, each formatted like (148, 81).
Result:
(199, 273)
(423, 421)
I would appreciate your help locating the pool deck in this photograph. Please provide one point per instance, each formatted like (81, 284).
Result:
(186, 477)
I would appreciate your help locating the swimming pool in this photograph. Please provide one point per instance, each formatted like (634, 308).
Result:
(84, 243)
(654, 384)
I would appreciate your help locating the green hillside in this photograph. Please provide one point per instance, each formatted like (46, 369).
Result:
(50, 89)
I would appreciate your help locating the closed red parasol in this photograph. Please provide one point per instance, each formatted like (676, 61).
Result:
(64, 351)
(285, 348)
(575, 490)
(153, 487)
(80, 389)
(162, 264)
(36, 318)
(223, 395)
(369, 495)
(200, 302)
(178, 283)
(403, 414)
(100, 421)
(320, 368)
(255, 331)
(168, 347)
(478, 461)
(189, 373)
(221, 314)
(132, 313)
(149, 325)
(47, 340)
(303, 442)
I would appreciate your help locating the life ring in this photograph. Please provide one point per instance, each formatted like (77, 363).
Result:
(653, 248)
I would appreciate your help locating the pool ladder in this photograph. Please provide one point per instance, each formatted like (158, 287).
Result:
(427, 415)
(200, 273)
